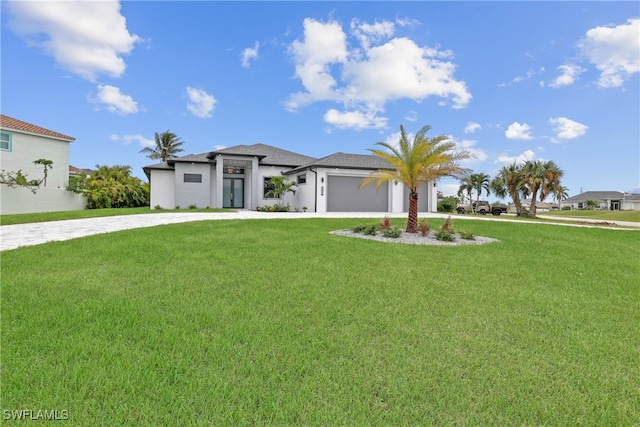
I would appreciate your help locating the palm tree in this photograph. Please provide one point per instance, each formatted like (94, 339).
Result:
(479, 182)
(167, 145)
(280, 188)
(560, 193)
(417, 163)
(466, 186)
(508, 181)
(540, 177)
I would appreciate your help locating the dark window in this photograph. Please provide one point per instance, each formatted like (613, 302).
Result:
(192, 177)
(268, 186)
(302, 179)
(5, 141)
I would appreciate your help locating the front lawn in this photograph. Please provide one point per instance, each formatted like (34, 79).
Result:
(280, 323)
(633, 216)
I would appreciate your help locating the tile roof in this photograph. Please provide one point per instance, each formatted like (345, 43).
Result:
(10, 123)
(268, 155)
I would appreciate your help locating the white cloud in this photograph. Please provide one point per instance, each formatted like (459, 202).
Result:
(471, 127)
(248, 54)
(518, 131)
(86, 37)
(528, 155)
(615, 51)
(411, 116)
(477, 154)
(566, 128)
(570, 73)
(115, 101)
(128, 139)
(354, 119)
(364, 79)
(200, 103)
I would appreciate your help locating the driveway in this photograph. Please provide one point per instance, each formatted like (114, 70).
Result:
(15, 236)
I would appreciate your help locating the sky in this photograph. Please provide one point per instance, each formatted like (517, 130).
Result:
(507, 81)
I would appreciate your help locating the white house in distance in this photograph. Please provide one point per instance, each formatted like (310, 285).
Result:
(607, 200)
(22, 143)
(238, 178)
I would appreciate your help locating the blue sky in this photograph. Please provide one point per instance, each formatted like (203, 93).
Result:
(509, 81)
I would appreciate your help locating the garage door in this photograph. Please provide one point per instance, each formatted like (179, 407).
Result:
(343, 195)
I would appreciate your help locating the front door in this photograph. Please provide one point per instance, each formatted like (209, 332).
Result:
(233, 193)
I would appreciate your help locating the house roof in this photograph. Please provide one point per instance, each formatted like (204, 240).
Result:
(268, 155)
(10, 123)
(351, 161)
(595, 195)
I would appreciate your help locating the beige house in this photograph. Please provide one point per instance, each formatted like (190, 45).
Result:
(22, 143)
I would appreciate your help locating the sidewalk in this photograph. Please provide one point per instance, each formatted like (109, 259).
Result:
(17, 235)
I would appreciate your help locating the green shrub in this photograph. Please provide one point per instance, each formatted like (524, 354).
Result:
(371, 230)
(157, 207)
(448, 204)
(444, 236)
(466, 235)
(359, 228)
(393, 232)
(566, 208)
(192, 206)
(177, 206)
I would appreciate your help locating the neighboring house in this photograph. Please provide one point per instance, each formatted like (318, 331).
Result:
(238, 178)
(608, 200)
(22, 143)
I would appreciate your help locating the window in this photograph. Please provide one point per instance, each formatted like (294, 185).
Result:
(302, 179)
(5, 141)
(192, 177)
(268, 186)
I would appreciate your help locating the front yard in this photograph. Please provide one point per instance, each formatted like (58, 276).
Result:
(281, 323)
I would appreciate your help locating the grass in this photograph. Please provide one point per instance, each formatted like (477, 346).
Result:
(90, 213)
(280, 323)
(632, 216)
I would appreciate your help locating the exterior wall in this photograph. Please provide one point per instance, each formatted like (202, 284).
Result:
(25, 148)
(163, 189)
(192, 193)
(267, 172)
(628, 205)
(426, 195)
(21, 200)
(305, 193)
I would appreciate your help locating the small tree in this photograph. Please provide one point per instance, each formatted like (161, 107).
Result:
(591, 204)
(47, 164)
(280, 188)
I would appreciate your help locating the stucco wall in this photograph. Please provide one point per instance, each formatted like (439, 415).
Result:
(193, 193)
(22, 200)
(162, 189)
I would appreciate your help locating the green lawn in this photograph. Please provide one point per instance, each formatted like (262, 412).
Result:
(633, 216)
(90, 213)
(280, 323)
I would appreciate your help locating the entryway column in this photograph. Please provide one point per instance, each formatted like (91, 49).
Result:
(219, 181)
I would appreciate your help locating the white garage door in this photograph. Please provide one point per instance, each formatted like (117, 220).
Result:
(343, 195)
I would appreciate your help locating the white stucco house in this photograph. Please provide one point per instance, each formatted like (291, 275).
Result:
(607, 200)
(22, 143)
(238, 178)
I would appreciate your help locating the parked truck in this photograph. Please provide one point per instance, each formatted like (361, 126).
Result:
(482, 207)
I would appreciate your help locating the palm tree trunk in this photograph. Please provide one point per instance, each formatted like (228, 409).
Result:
(412, 221)
(532, 208)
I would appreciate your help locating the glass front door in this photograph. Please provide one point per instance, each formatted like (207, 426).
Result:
(233, 193)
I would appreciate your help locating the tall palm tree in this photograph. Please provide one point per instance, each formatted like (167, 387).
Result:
(540, 177)
(509, 181)
(167, 146)
(479, 182)
(560, 193)
(417, 163)
(466, 186)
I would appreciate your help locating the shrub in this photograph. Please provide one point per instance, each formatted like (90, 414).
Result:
(393, 232)
(359, 228)
(424, 227)
(177, 206)
(386, 223)
(192, 206)
(466, 235)
(448, 204)
(444, 236)
(157, 207)
(279, 207)
(371, 230)
(447, 225)
(566, 208)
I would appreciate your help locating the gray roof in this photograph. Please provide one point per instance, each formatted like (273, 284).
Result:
(350, 161)
(595, 195)
(268, 155)
(190, 158)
